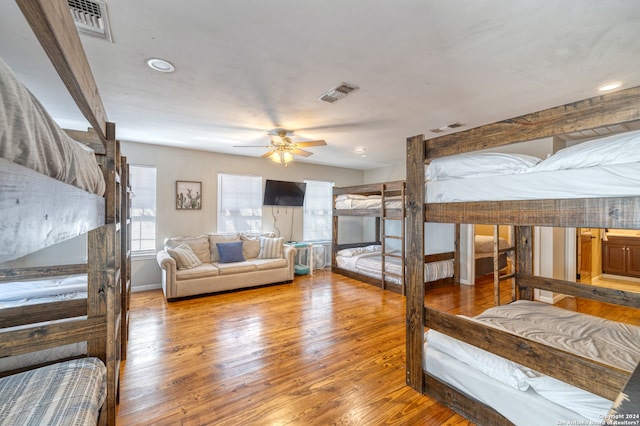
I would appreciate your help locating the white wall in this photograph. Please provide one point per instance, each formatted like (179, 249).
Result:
(182, 164)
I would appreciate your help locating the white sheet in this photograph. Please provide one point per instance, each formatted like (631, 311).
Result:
(602, 340)
(618, 180)
(356, 201)
(45, 290)
(370, 265)
(20, 293)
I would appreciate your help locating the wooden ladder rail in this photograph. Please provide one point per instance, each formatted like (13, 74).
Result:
(511, 267)
(386, 217)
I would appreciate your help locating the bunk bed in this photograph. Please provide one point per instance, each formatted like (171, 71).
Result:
(374, 262)
(610, 201)
(44, 206)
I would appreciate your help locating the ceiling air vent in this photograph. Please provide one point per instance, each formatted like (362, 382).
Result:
(338, 92)
(447, 127)
(91, 17)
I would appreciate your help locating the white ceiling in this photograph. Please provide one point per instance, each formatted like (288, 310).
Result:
(245, 67)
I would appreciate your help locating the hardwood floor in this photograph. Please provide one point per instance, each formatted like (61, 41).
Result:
(325, 350)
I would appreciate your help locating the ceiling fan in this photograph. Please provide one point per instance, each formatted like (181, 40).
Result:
(282, 148)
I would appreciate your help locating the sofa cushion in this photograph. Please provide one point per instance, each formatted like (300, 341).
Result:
(202, 271)
(250, 246)
(266, 264)
(214, 239)
(230, 252)
(199, 245)
(271, 248)
(235, 268)
(185, 257)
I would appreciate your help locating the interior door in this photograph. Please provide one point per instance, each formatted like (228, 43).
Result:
(585, 238)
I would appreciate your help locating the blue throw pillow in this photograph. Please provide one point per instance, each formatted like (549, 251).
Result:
(230, 252)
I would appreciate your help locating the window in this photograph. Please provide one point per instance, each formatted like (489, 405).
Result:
(143, 209)
(318, 211)
(239, 203)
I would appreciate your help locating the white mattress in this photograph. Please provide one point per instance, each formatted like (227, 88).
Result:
(356, 201)
(370, 265)
(31, 292)
(618, 180)
(20, 293)
(602, 340)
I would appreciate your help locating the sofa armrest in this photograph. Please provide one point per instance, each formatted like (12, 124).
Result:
(289, 254)
(169, 267)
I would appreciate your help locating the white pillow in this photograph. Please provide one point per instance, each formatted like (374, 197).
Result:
(271, 248)
(615, 149)
(356, 251)
(478, 164)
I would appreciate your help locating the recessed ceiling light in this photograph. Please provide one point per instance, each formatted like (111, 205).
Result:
(609, 86)
(161, 65)
(360, 151)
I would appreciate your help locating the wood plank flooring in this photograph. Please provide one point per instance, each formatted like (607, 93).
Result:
(325, 350)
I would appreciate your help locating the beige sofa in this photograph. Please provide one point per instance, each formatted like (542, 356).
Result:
(264, 259)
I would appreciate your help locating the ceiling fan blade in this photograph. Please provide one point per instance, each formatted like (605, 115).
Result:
(268, 153)
(310, 143)
(301, 152)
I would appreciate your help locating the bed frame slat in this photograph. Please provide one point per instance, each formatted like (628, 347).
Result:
(29, 314)
(29, 273)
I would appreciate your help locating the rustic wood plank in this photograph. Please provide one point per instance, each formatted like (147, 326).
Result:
(437, 257)
(39, 211)
(52, 24)
(463, 404)
(315, 352)
(48, 336)
(587, 291)
(614, 212)
(608, 109)
(30, 314)
(414, 276)
(33, 272)
(592, 376)
(89, 138)
(369, 188)
(376, 282)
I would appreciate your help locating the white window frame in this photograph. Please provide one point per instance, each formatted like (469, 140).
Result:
(317, 222)
(239, 203)
(147, 215)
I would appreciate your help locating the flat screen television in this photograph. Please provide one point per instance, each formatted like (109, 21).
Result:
(282, 193)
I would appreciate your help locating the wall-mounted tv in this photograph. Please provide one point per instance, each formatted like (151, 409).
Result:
(282, 193)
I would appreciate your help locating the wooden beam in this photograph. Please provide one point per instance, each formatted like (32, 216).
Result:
(414, 266)
(610, 109)
(52, 23)
(613, 212)
(592, 292)
(30, 314)
(34, 272)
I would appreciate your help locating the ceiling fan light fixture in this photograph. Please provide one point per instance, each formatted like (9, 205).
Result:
(281, 157)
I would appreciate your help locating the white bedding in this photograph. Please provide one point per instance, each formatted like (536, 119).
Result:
(30, 138)
(618, 180)
(13, 294)
(602, 340)
(368, 261)
(356, 201)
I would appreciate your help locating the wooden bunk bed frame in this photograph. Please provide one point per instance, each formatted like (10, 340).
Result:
(382, 215)
(102, 318)
(619, 212)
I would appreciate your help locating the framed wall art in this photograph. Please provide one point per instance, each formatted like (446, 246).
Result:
(188, 195)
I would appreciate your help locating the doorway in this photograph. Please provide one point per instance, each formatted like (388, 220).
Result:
(588, 254)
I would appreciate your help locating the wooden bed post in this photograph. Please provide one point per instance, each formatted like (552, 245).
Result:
(524, 258)
(415, 262)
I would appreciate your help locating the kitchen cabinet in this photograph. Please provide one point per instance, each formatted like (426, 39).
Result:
(621, 256)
